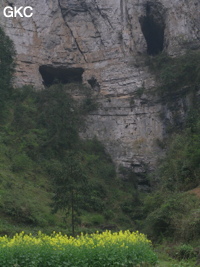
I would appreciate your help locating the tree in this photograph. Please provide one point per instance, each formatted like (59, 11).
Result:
(7, 54)
(70, 186)
(59, 115)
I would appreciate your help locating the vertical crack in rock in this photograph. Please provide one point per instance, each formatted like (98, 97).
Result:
(122, 11)
(123, 27)
(126, 23)
(104, 16)
(129, 25)
(95, 26)
(72, 34)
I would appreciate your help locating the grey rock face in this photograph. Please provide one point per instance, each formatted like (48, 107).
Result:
(107, 40)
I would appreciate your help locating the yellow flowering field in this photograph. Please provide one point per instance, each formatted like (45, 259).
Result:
(94, 250)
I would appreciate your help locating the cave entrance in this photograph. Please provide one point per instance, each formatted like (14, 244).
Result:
(153, 27)
(52, 75)
(94, 84)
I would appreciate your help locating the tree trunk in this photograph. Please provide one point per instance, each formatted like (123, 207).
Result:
(72, 203)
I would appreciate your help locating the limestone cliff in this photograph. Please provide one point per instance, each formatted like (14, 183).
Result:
(102, 43)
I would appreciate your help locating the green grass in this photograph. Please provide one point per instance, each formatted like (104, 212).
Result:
(165, 261)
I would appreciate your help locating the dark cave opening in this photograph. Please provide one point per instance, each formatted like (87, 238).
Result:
(52, 75)
(153, 27)
(154, 35)
(94, 84)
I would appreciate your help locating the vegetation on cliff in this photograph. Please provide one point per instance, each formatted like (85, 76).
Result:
(7, 64)
(170, 212)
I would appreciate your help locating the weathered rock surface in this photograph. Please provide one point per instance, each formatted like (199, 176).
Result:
(108, 40)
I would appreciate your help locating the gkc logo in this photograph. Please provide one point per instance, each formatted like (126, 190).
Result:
(13, 12)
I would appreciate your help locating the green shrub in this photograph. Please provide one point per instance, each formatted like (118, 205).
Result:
(139, 92)
(21, 162)
(175, 73)
(172, 218)
(185, 251)
(179, 170)
(96, 219)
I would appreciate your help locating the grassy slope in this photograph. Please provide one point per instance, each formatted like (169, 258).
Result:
(26, 184)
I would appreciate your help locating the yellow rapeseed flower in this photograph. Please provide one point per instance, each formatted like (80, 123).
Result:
(60, 241)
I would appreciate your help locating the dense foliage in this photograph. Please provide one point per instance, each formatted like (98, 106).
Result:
(171, 211)
(40, 149)
(95, 250)
(176, 73)
(7, 54)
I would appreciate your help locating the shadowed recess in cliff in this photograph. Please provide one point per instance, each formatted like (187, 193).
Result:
(52, 75)
(94, 84)
(153, 26)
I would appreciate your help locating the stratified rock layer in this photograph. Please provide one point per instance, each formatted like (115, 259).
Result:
(108, 40)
